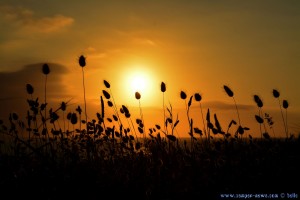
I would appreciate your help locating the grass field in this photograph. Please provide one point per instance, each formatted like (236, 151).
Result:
(97, 160)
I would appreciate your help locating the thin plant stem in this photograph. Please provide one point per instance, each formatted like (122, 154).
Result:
(84, 98)
(204, 127)
(284, 123)
(190, 125)
(259, 114)
(237, 111)
(164, 122)
(45, 100)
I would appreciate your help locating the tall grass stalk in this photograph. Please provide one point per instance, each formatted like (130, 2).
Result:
(285, 105)
(63, 107)
(276, 95)
(208, 124)
(190, 121)
(82, 63)
(163, 89)
(170, 120)
(101, 118)
(259, 104)
(230, 93)
(30, 91)
(199, 98)
(46, 71)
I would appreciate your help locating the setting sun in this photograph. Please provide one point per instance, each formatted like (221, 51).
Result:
(138, 79)
(139, 82)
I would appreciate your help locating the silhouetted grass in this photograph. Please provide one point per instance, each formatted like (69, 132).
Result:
(40, 160)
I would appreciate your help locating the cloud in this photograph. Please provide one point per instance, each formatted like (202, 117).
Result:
(93, 53)
(26, 21)
(226, 106)
(13, 86)
(144, 41)
(11, 82)
(48, 24)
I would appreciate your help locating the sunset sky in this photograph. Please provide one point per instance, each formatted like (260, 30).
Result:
(193, 46)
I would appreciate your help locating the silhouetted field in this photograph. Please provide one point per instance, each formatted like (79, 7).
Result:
(114, 156)
(159, 171)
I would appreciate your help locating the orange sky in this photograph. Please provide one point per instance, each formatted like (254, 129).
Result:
(193, 46)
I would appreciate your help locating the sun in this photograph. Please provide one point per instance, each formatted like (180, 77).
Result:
(139, 82)
(138, 79)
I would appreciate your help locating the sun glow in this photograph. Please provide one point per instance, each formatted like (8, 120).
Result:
(139, 83)
(139, 79)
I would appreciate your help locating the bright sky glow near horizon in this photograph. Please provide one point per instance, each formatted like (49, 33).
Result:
(192, 46)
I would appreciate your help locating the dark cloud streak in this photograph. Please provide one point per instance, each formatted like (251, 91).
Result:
(13, 93)
(225, 106)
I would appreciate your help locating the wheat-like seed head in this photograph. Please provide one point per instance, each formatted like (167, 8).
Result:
(29, 89)
(285, 104)
(228, 91)
(74, 118)
(276, 93)
(63, 106)
(46, 69)
(163, 87)
(107, 85)
(198, 97)
(182, 95)
(258, 101)
(82, 61)
(106, 94)
(137, 95)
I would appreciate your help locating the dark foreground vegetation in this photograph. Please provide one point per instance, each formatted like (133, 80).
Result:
(161, 170)
(105, 158)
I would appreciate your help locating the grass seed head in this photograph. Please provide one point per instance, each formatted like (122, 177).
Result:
(63, 106)
(125, 109)
(228, 91)
(241, 130)
(259, 119)
(276, 93)
(137, 95)
(74, 118)
(258, 101)
(285, 104)
(110, 104)
(163, 87)
(46, 69)
(107, 85)
(198, 97)
(172, 138)
(29, 89)
(106, 94)
(79, 110)
(182, 95)
(208, 116)
(115, 117)
(82, 61)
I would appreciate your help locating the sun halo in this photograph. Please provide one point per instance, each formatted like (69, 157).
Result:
(139, 80)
